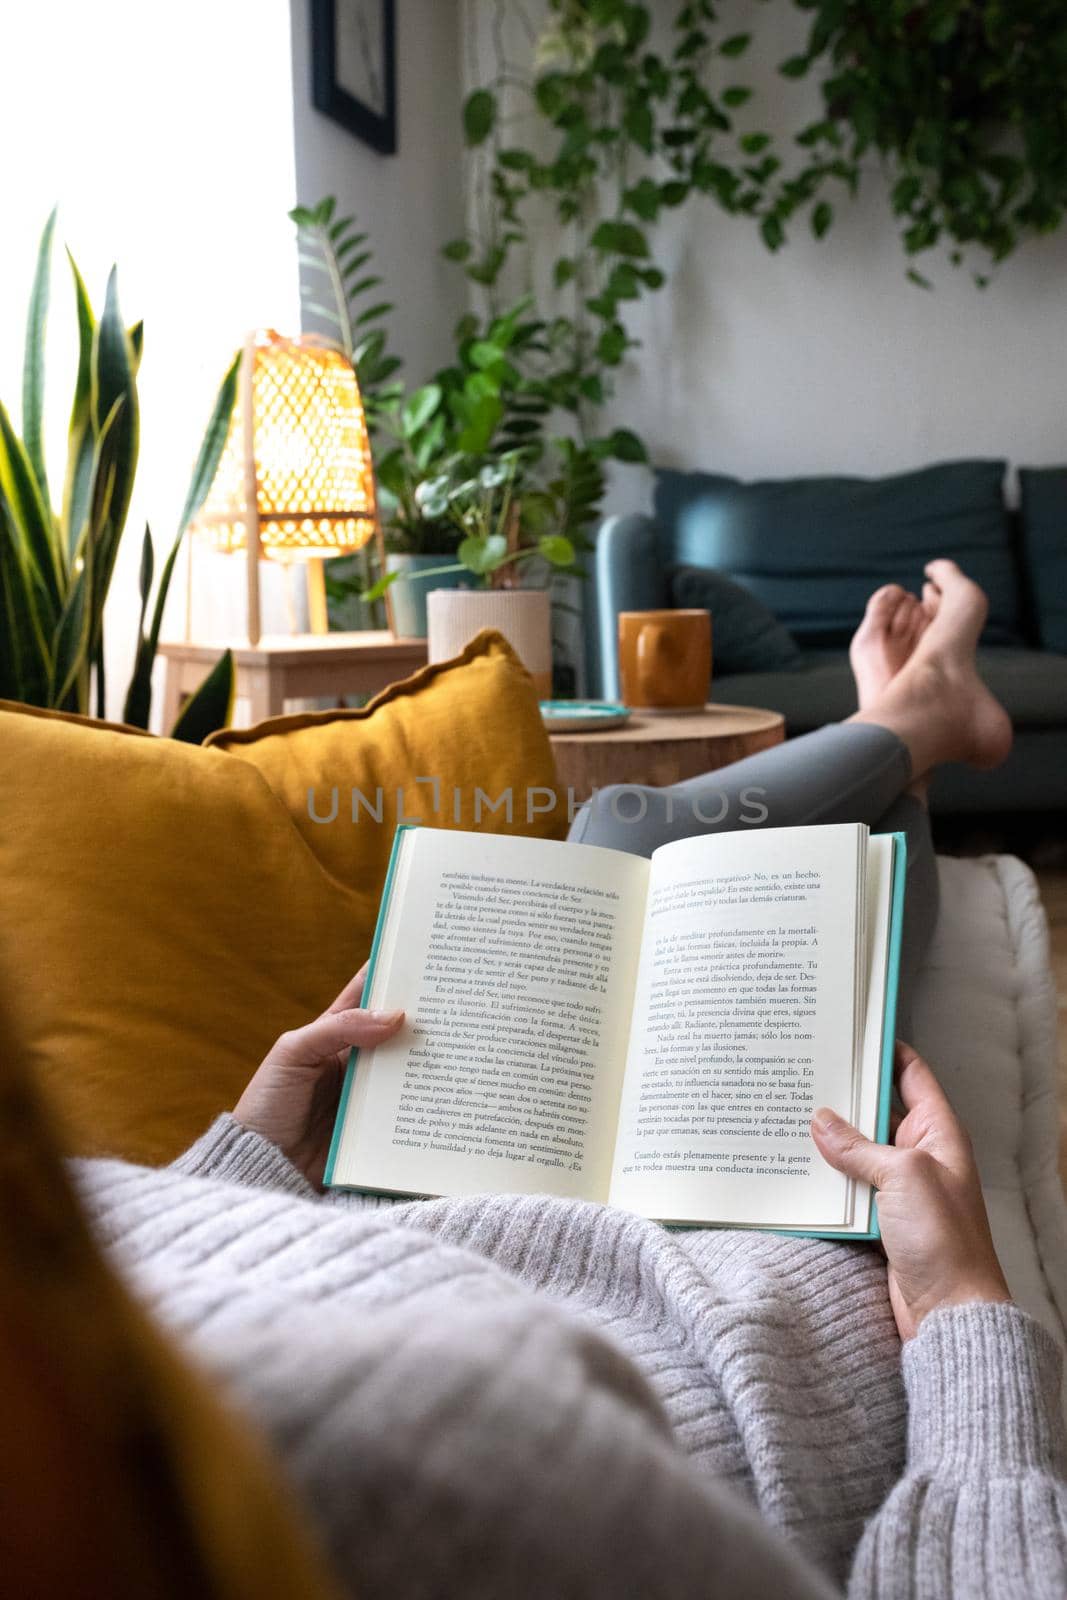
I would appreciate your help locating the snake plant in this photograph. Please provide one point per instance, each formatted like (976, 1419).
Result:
(57, 557)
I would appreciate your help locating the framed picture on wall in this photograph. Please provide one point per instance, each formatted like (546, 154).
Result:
(353, 67)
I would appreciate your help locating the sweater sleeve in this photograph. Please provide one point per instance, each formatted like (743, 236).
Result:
(982, 1508)
(229, 1151)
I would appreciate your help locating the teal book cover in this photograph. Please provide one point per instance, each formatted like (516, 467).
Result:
(353, 1058)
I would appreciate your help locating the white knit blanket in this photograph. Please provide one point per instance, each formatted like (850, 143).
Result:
(985, 1018)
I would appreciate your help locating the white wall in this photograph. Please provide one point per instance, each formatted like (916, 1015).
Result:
(824, 358)
(410, 203)
(137, 119)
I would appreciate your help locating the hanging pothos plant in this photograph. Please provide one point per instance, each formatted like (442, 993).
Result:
(959, 102)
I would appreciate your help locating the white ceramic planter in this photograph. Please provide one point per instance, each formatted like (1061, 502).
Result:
(523, 616)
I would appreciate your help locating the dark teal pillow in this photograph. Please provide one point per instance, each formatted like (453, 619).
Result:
(1043, 505)
(745, 636)
(814, 549)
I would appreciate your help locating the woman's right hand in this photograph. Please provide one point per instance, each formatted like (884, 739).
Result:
(932, 1217)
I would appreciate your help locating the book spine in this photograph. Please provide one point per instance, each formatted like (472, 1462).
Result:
(353, 1055)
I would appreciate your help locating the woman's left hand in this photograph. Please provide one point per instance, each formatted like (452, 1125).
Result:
(292, 1099)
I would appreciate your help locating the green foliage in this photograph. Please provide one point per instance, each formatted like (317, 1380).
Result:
(56, 567)
(339, 262)
(211, 706)
(963, 99)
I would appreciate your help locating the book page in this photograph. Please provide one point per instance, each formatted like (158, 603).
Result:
(745, 1020)
(515, 960)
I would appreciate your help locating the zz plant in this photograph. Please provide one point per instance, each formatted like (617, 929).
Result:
(56, 564)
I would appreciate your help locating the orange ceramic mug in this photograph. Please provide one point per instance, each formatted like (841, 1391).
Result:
(665, 659)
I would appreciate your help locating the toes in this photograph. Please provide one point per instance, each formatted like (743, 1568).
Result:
(942, 570)
(882, 605)
(903, 616)
(931, 597)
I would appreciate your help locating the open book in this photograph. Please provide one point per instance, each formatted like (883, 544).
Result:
(651, 1034)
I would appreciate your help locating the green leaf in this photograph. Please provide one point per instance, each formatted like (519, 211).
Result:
(821, 218)
(138, 704)
(376, 590)
(619, 238)
(916, 277)
(484, 353)
(563, 271)
(112, 380)
(737, 95)
(639, 124)
(794, 67)
(612, 344)
(457, 250)
(211, 707)
(374, 313)
(735, 45)
(626, 446)
(643, 199)
(419, 408)
(30, 521)
(25, 658)
(753, 143)
(552, 95)
(212, 445)
(135, 334)
(144, 583)
(772, 231)
(481, 418)
(74, 637)
(483, 555)
(33, 361)
(80, 436)
(557, 549)
(479, 116)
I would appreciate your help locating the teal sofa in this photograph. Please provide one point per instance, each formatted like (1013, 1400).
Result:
(811, 550)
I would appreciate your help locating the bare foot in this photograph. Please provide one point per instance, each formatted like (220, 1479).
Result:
(892, 626)
(937, 701)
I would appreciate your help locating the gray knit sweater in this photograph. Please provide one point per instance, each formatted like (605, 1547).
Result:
(527, 1397)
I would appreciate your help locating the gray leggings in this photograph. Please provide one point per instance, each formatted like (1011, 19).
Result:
(846, 772)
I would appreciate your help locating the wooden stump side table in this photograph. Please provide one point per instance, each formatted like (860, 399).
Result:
(285, 667)
(663, 749)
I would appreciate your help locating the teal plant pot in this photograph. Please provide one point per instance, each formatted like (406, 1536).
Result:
(409, 593)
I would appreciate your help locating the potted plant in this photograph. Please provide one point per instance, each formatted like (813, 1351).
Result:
(505, 531)
(57, 555)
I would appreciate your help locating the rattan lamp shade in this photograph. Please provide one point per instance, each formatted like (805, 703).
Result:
(295, 482)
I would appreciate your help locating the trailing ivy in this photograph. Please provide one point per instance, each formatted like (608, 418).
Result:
(960, 102)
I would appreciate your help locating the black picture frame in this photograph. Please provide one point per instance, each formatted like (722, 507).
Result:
(376, 128)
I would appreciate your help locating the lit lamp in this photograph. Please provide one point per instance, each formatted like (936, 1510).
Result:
(295, 481)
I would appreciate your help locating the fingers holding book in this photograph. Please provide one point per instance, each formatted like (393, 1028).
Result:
(930, 1208)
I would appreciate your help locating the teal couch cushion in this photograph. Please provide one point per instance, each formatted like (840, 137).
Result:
(745, 636)
(1030, 684)
(813, 549)
(1043, 506)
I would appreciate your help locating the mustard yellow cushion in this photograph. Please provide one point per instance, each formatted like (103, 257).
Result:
(447, 747)
(166, 911)
(120, 1471)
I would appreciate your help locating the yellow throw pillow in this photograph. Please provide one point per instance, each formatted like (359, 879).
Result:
(459, 744)
(120, 1471)
(164, 914)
